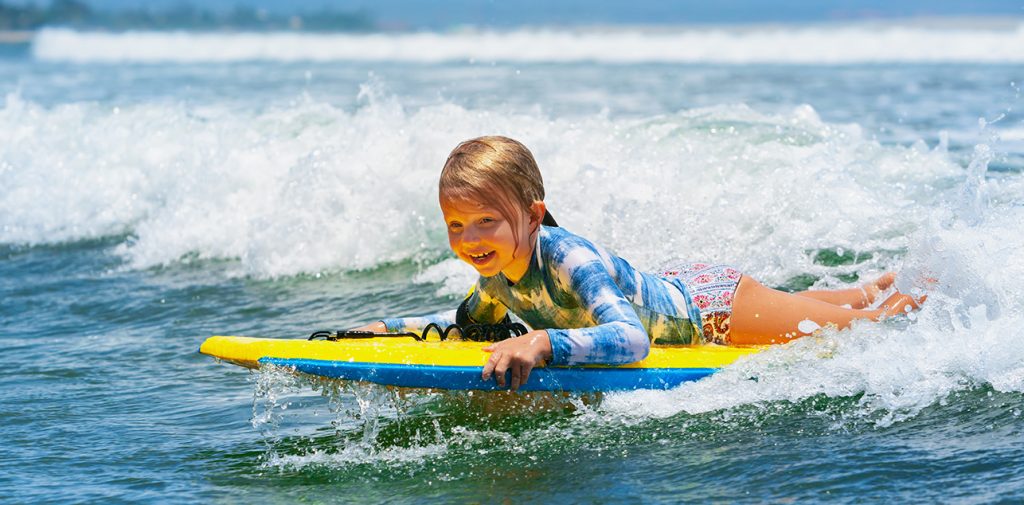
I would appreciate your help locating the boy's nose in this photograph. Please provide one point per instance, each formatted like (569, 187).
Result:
(470, 236)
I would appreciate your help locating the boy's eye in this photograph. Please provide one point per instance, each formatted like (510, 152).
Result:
(486, 220)
(454, 226)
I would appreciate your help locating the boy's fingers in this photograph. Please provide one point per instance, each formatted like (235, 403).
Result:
(516, 376)
(525, 374)
(501, 368)
(520, 374)
(489, 366)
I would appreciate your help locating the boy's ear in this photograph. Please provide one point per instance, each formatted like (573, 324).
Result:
(537, 211)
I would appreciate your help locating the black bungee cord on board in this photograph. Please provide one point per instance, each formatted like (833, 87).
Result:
(474, 332)
(465, 327)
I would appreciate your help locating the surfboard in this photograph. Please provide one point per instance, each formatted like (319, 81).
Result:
(457, 365)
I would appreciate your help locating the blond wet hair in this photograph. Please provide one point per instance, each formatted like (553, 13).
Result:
(496, 170)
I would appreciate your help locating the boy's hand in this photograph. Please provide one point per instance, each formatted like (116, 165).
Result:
(519, 354)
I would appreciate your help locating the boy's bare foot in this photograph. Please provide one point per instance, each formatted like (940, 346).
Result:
(874, 288)
(899, 303)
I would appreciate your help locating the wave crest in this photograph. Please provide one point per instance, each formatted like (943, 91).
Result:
(846, 44)
(306, 186)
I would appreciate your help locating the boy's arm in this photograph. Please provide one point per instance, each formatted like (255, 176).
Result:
(482, 308)
(416, 324)
(618, 336)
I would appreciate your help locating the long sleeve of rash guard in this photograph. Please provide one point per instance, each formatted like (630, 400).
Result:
(482, 309)
(416, 324)
(618, 337)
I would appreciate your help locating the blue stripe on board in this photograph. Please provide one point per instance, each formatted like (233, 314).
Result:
(468, 377)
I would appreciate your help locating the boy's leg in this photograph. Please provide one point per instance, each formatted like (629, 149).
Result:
(856, 298)
(762, 315)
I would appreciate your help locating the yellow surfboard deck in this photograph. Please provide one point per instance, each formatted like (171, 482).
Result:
(454, 364)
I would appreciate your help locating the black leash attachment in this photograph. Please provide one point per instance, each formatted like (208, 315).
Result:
(350, 334)
(477, 332)
(465, 327)
(474, 332)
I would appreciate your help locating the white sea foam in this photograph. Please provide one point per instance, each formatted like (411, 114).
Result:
(305, 186)
(839, 44)
(453, 275)
(357, 455)
(1012, 134)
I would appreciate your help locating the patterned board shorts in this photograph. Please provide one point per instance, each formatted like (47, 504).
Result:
(711, 287)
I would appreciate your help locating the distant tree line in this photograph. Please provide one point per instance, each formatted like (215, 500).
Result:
(77, 14)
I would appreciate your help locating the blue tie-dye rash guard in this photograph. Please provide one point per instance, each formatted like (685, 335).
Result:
(595, 306)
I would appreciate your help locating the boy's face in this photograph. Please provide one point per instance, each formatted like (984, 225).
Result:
(482, 236)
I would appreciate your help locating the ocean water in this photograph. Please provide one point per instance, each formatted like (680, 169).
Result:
(156, 189)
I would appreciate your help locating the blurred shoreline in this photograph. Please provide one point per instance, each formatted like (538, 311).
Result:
(937, 22)
(995, 24)
(15, 19)
(16, 36)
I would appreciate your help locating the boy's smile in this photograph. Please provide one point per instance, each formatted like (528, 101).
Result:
(483, 237)
(481, 259)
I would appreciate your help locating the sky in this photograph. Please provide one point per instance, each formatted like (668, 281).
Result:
(449, 13)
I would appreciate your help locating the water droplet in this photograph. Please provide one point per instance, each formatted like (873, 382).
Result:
(807, 326)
